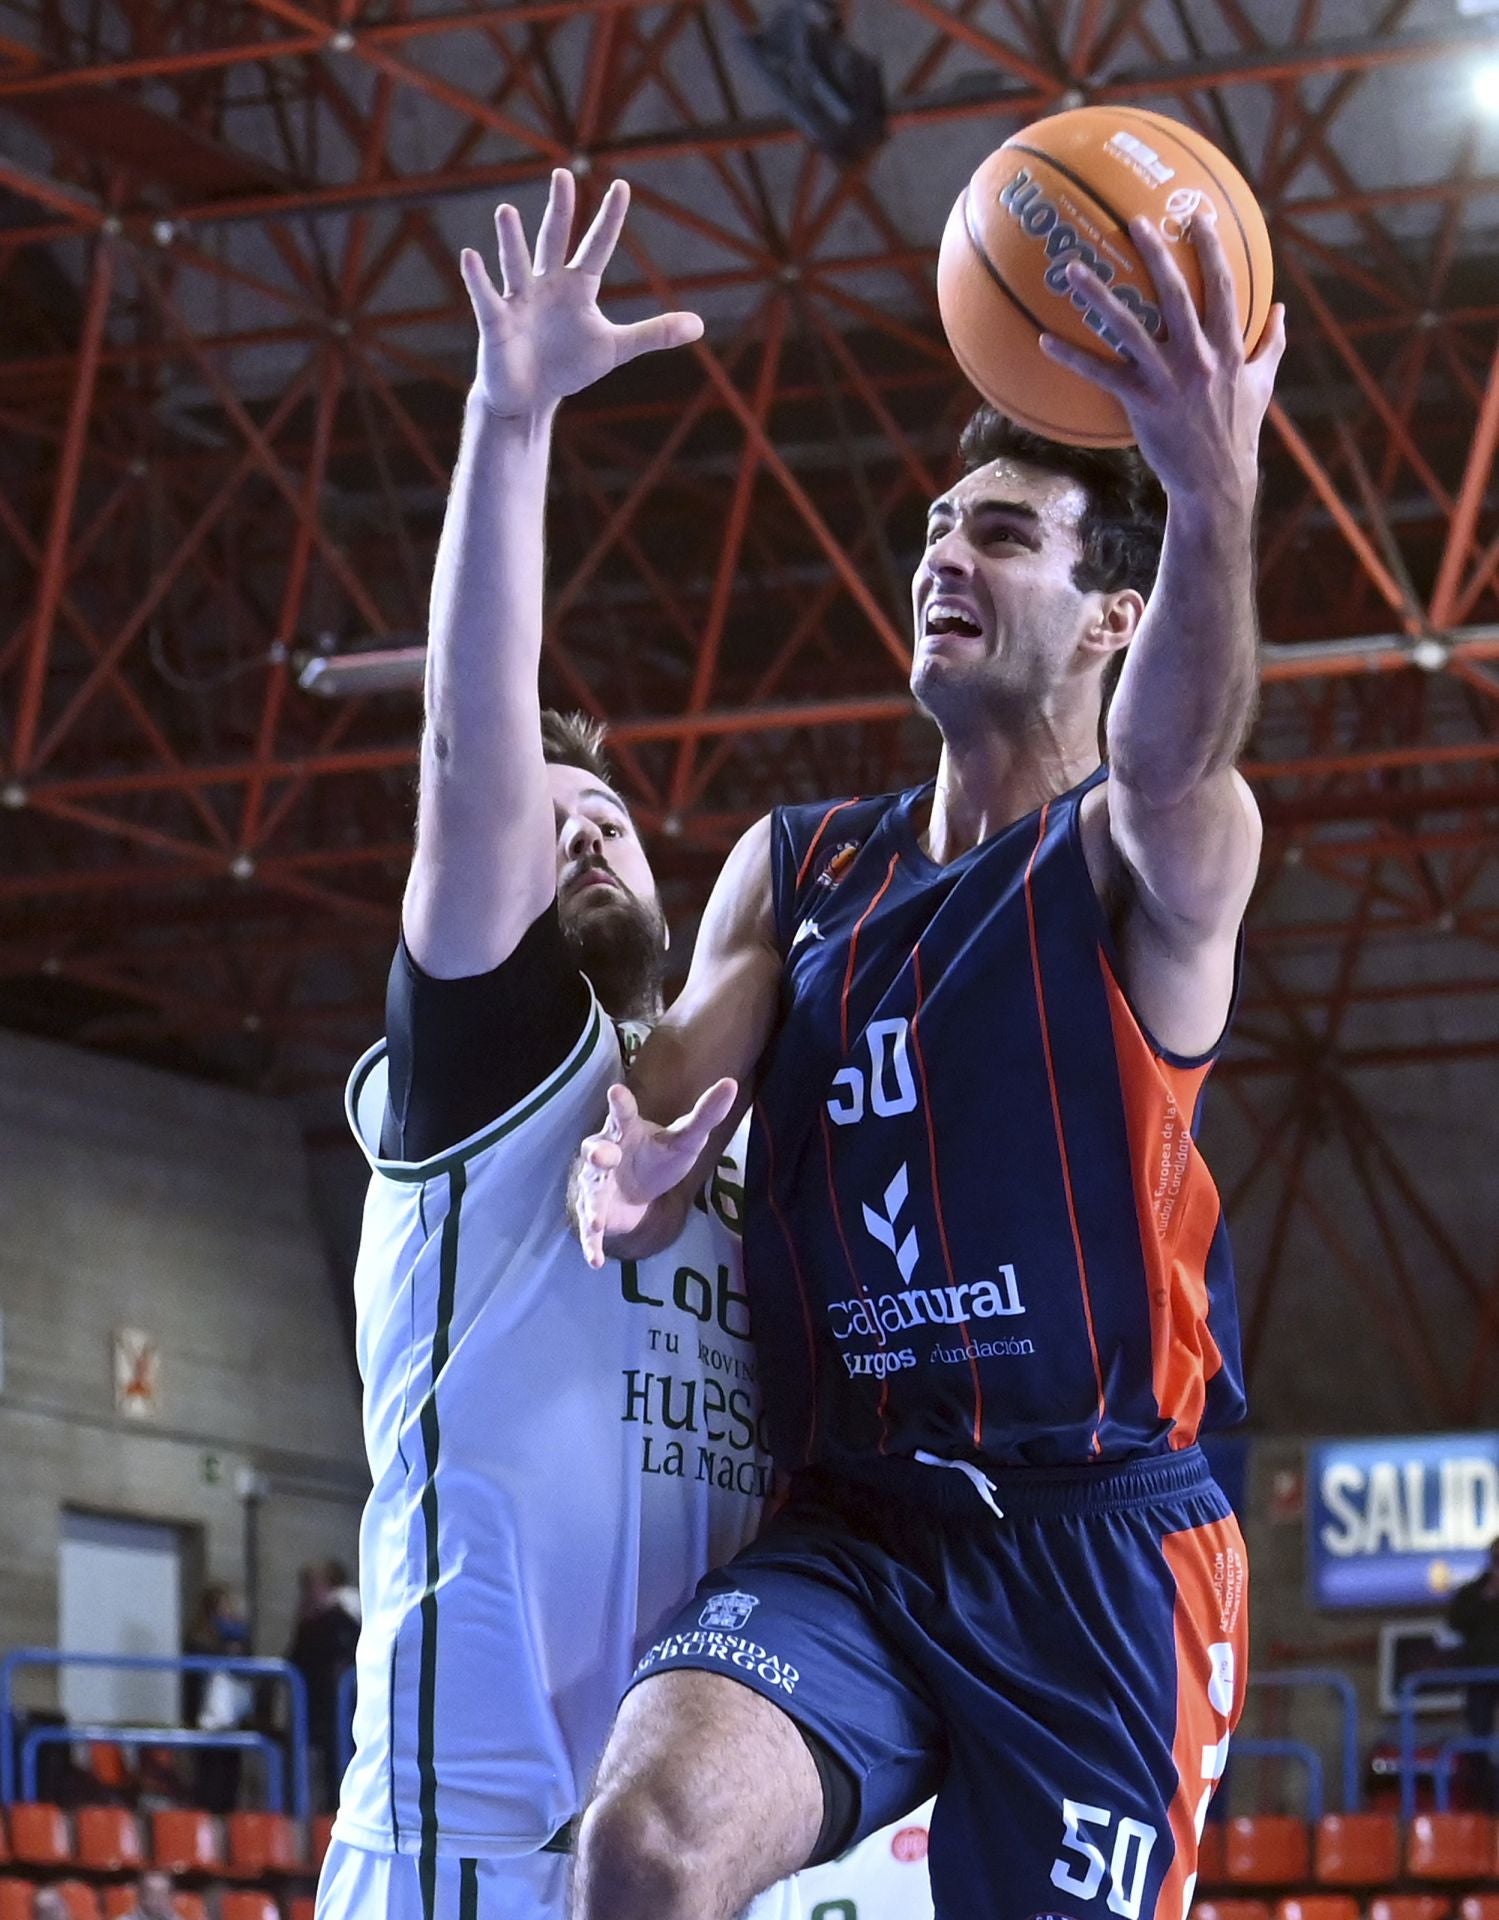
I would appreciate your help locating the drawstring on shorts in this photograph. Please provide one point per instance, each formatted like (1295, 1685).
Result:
(983, 1486)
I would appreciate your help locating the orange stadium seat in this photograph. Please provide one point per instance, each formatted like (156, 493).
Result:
(4, 1840)
(1411, 1906)
(248, 1906)
(108, 1839)
(1266, 1850)
(190, 1906)
(1210, 1855)
(1318, 1906)
(183, 1841)
(1230, 1910)
(322, 1836)
(38, 1834)
(1450, 1846)
(119, 1899)
(1356, 1850)
(1479, 1906)
(262, 1843)
(107, 1764)
(80, 1899)
(15, 1898)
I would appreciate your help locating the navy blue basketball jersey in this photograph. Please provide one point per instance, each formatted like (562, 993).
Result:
(978, 1221)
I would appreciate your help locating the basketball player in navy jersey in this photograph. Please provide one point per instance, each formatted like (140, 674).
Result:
(991, 1287)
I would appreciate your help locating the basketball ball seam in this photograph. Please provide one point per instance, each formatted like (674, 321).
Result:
(1160, 125)
(1083, 186)
(976, 242)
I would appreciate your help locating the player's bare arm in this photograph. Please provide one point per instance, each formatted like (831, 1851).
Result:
(692, 1080)
(485, 863)
(1175, 821)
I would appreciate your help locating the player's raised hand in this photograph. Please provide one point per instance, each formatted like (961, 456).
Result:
(634, 1162)
(1195, 399)
(543, 337)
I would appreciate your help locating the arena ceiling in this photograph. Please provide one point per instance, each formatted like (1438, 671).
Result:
(233, 345)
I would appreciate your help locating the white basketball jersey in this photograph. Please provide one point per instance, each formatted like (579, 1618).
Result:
(557, 1455)
(883, 1879)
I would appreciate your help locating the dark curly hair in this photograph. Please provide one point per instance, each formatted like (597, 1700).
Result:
(1120, 529)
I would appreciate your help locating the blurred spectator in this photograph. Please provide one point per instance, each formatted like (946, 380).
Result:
(48, 1904)
(322, 1651)
(1474, 1615)
(217, 1702)
(153, 1897)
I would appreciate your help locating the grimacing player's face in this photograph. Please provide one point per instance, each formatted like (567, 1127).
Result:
(997, 614)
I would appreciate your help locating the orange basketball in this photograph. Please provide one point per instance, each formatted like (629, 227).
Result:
(1066, 189)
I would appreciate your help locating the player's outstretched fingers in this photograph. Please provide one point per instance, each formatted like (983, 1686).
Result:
(590, 1219)
(1173, 295)
(596, 248)
(708, 1110)
(556, 228)
(656, 335)
(1116, 376)
(481, 289)
(510, 243)
(1272, 341)
(624, 1108)
(1220, 302)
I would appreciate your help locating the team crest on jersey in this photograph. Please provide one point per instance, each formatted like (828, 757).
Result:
(728, 1611)
(841, 859)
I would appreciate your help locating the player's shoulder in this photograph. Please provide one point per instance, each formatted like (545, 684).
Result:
(821, 838)
(560, 1108)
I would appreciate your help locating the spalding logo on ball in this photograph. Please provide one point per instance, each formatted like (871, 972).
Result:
(1065, 189)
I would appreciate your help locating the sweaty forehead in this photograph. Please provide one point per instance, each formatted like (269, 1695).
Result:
(1056, 498)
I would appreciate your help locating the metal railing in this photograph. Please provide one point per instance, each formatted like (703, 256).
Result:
(1326, 1679)
(245, 1667)
(1444, 1678)
(1446, 1760)
(1306, 1756)
(101, 1734)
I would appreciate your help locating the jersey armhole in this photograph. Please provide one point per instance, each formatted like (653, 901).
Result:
(1109, 948)
(596, 1032)
(782, 870)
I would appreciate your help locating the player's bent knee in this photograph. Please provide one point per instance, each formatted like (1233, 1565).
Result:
(636, 1861)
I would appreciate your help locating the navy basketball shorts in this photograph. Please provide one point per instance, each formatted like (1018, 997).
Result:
(1058, 1654)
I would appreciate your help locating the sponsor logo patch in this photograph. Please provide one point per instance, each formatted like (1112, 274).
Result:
(727, 1612)
(841, 860)
(909, 1845)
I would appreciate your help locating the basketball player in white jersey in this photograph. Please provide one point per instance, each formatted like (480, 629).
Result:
(557, 1454)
